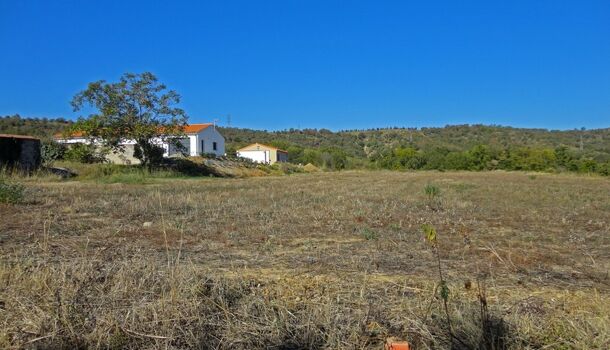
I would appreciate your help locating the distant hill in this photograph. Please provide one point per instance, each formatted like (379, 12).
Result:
(453, 147)
(367, 143)
(40, 127)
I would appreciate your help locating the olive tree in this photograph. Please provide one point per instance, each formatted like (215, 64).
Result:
(138, 108)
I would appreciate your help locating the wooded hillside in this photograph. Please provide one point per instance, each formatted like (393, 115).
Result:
(39, 127)
(456, 147)
(362, 143)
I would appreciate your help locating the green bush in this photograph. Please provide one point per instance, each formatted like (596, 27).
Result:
(604, 168)
(51, 151)
(83, 153)
(10, 192)
(149, 154)
(482, 157)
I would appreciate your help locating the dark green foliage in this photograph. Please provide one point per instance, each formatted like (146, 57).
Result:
(51, 151)
(482, 158)
(461, 147)
(137, 107)
(149, 151)
(11, 193)
(83, 153)
(604, 168)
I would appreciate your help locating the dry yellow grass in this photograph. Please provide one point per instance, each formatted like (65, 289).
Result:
(321, 260)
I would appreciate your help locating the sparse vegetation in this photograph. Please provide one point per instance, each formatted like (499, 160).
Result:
(369, 234)
(280, 262)
(11, 193)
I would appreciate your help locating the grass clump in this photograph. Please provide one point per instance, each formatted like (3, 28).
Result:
(432, 191)
(369, 234)
(11, 193)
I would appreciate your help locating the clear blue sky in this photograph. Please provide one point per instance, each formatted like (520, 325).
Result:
(324, 64)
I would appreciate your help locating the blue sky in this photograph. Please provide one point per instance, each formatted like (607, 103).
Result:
(322, 64)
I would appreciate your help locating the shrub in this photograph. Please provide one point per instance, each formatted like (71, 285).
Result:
(604, 169)
(10, 193)
(51, 151)
(208, 155)
(149, 154)
(83, 153)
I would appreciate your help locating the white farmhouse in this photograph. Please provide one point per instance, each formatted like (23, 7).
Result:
(263, 154)
(198, 139)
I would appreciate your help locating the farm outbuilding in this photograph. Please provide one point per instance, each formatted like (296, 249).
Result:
(263, 154)
(19, 151)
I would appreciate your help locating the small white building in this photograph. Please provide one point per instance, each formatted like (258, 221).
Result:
(263, 154)
(198, 139)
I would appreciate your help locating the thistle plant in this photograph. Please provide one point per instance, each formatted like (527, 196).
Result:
(431, 237)
(442, 287)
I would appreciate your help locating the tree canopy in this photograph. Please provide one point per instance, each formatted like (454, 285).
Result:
(138, 108)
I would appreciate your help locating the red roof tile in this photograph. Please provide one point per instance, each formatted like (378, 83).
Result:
(188, 129)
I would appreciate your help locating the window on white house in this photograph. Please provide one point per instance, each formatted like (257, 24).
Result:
(214, 146)
(202, 146)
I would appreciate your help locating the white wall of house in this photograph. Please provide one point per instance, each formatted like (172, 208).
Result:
(206, 140)
(73, 140)
(172, 150)
(260, 156)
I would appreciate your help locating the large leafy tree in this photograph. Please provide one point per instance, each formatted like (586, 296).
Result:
(138, 108)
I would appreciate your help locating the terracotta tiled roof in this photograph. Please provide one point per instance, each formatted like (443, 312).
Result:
(188, 129)
(195, 128)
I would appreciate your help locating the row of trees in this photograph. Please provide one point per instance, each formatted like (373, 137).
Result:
(477, 158)
(39, 127)
(482, 157)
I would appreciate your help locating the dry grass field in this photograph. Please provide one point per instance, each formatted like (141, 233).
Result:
(309, 261)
